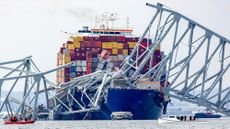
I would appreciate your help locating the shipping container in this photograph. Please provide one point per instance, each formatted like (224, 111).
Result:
(86, 51)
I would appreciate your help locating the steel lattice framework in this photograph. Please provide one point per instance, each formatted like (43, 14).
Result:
(23, 74)
(196, 64)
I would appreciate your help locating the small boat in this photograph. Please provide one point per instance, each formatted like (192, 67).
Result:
(19, 122)
(121, 116)
(206, 114)
(169, 119)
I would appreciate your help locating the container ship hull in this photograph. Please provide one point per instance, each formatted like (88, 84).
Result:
(144, 104)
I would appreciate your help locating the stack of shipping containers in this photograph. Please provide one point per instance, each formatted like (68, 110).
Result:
(85, 52)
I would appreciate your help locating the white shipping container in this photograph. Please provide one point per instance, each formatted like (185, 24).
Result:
(83, 69)
(78, 62)
(120, 57)
(83, 62)
(78, 69)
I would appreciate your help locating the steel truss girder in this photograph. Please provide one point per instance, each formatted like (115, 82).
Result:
(95, 82)
(32, 76)
(204, 87)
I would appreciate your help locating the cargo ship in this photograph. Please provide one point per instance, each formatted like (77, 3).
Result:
(89, 49)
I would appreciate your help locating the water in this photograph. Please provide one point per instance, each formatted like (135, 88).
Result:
(223, 123)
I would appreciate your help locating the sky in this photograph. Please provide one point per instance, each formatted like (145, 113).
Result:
(35, 27)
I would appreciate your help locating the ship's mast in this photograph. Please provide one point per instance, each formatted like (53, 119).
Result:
(105, 20)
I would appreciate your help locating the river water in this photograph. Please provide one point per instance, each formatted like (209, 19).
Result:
(222, 123)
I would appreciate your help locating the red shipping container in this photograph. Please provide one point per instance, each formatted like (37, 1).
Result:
(88, 49)
(83, 56)
(89, 60)
(95, 50)
(120, 51)
(90, 38)
(107, 38)
(131, 39)
(82, 50)
(79, 56)
(99, 50)
(82, 44)
(109, 50)
(144, 44)
(89, 66)
(98, 44)
(73, 57)
(93, 44)
(67, 71)
(125, 45)
(88, 71)
(88, 44)
(120, 39)
(77, 50)
(89, 54)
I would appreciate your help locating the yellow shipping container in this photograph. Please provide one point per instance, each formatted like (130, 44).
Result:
(77, 45)
(71, 79)
(77, 38)
(110, 45)
(107, 45)
(114, 44)
(114, 51)
(67, 59)
(119, 45)
(125, 52)
(132, 44)
(71, 46)
(159, 47)
(104, 45)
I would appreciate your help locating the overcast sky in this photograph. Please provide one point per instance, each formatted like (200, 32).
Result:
(33, 27)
